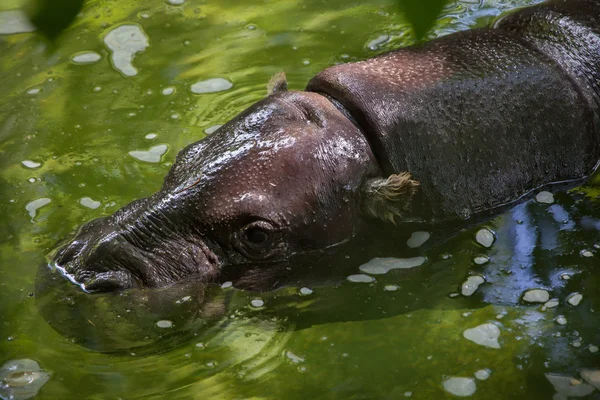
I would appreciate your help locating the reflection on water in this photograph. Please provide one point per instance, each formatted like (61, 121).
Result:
(97, 123)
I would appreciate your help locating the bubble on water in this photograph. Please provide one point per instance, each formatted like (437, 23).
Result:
(374, 44)
(481, 259)
(89, 203)
(461, 387)
(382, 265)
(591, 376)
(97, 89)
(21, 379)
(150, 136)
(226, 285)
(33, 206)
(569, 386)
(200, 345)
(31, 180)
(294, 358)
(561, 320)
(536, 296)
(257, 303)
(124, 42)
(565, 277)
(306, 62)
(212, 129)
(484, 335)
(485, 237)
(360, 278)
(164, 323)
(175, 116)
(544, 197)
(15, 21)
(471, 284)
(211, 86)
(85, 57)
(251, 27)
(31, 164)
(175, 2)
(168, 91)
(576, 343)
(593, 349)
(390, 288)
(482, 374)
(305, 291)
(34, 91)
(153, 155)
(574, 299)
(551, 303)
(586, 253)
(417, 239)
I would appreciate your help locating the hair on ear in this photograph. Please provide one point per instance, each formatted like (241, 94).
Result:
(277, 83)
(384, 198)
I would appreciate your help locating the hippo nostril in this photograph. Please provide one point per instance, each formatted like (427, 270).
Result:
(111, 281)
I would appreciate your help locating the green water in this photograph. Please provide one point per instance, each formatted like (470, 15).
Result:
(343, 341)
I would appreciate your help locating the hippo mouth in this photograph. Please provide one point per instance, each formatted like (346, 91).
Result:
(123, 259)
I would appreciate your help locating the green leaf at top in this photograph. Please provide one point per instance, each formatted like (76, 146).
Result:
(51, 17)
(421, 14)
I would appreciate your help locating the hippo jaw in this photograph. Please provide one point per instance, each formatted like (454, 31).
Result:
(285, 177)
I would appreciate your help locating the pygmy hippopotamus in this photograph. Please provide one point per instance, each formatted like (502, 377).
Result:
(450, 130)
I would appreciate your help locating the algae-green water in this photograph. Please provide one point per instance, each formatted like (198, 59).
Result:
(94, 122)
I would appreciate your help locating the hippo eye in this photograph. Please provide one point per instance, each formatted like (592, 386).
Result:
(256, 238)
(257, 235)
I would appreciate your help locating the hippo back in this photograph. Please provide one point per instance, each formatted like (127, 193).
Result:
(482, 117)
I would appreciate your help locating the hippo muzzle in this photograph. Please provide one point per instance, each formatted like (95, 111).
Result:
(446, 131)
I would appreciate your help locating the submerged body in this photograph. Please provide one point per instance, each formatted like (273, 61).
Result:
(442, 132)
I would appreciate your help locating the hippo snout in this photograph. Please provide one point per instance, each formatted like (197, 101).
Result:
(104, 257)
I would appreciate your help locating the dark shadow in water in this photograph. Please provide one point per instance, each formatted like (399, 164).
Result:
(536, 246)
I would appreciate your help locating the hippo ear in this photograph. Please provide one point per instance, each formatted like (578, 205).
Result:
(277, 83)
(385, 198)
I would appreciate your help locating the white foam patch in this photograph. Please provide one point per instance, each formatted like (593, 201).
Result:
(165, 323)
(153, 155)
(211, 86)
(89, 203)
(591, 376)
(485, 237)
(480, 260)
(552, 303)
(257, 303)
(587, 253)
(561, 320)
(14, 21)
(212, 129)
(544, 198)
(536, 296)
(125, 42)
(461, 387)
(85, 57)
(33, 206)
(417, 239)
(294, 358)
(574, 299)
(482, 374)
(168, 91)
(382, 265)
(484, 335)
(360, 278)
(471, 284)
(569, 386)
(31, 164)
(305, 291)
(227, 284)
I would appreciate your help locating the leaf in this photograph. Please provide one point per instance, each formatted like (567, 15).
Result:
(51, 17)
(421, 14)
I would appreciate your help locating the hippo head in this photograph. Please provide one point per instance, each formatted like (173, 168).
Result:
(290, 175)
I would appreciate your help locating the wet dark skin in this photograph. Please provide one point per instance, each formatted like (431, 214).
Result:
(450, 130)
